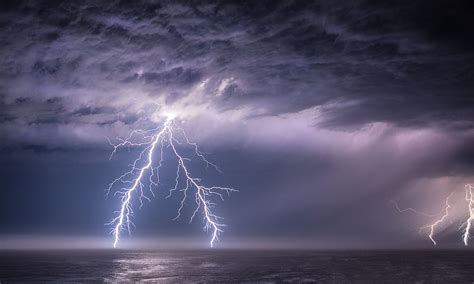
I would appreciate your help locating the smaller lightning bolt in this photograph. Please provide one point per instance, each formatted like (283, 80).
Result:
(468, 224)
(409, 209)
(440, 220)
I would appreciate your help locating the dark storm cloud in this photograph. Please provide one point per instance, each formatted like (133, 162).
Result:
(399, 62)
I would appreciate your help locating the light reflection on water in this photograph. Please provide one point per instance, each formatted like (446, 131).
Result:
(238, 266)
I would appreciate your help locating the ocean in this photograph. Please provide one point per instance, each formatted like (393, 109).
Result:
(238, 266)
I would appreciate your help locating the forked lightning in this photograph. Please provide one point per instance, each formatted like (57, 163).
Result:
(466, 226)
(145, 170)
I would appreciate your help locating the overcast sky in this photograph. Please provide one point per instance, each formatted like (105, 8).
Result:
(319, 112)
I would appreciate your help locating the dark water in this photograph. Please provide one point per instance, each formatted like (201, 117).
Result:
(239, 266)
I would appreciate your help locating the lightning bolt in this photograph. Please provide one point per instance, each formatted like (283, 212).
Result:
(468, 224)
(469, 198)
(440, 220)
(146, 169)
(409, 209)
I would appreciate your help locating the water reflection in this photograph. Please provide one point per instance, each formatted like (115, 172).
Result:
(238, 266)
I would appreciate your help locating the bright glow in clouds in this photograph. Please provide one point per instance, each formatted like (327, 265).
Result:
(466, 226)
(145, 169)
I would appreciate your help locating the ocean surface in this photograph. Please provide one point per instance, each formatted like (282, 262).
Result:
(238, 266)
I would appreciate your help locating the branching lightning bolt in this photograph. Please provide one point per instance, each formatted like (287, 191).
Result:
(155, 140)
(467, 225)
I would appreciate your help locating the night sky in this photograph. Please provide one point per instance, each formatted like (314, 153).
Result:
(319, 112)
